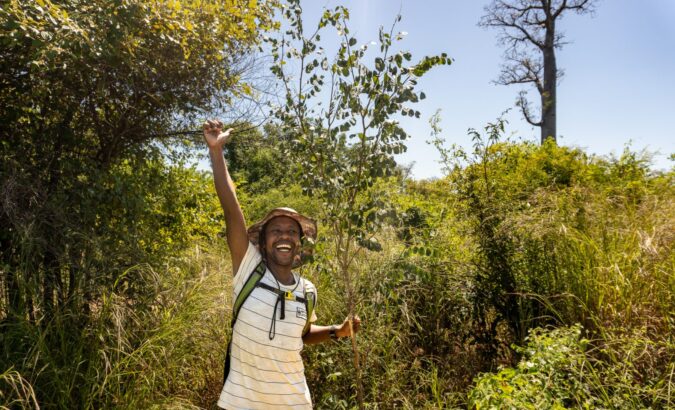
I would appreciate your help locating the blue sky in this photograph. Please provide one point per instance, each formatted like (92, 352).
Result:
(619, 83)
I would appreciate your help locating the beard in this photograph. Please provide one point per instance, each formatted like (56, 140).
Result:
(281, 258)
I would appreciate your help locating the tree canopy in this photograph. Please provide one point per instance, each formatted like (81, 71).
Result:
(87, 85)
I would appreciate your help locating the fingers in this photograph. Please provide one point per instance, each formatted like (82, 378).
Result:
(225, 137)
(214, 135)
(211, 126)
(356, 323)
(207, 126)
(226, 133)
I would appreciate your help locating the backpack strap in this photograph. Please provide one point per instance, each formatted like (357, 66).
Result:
(250, 284)
(309, 300)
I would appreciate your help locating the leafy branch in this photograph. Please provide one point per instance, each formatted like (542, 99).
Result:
(340, 117)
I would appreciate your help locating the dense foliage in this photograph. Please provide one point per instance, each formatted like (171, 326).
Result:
(92, 190)
(527, 277)
(587, 243)
(85, 87)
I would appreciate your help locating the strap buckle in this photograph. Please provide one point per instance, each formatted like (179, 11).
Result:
(289, 295)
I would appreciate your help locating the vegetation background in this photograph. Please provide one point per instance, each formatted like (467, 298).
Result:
(529, 276)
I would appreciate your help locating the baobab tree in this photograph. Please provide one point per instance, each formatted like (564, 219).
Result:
(528, 30)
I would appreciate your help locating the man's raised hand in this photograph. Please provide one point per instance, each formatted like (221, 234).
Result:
(214, 135)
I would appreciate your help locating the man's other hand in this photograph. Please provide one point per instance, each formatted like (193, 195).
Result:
(343, 330)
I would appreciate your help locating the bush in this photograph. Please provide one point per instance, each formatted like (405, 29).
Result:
(560, 369)
(545, 378)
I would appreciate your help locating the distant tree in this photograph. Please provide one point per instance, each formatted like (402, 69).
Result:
(528, 30)
(253, 158)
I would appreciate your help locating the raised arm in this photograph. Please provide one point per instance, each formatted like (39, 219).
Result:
(237, 237)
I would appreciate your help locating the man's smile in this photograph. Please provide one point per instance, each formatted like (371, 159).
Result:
(284, 247)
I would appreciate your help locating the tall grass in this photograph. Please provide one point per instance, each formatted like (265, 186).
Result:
(587, 241)
(163, 347)
(598, 251)
(15, 391)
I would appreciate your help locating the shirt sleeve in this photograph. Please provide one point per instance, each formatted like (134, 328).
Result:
(313, 318)
(310, 287)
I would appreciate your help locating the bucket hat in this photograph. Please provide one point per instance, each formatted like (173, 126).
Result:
(308, 225)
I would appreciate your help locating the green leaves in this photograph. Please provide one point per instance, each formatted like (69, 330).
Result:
(428, 63)
(372, 244)
(379, 64)
(549, 375)
(343, 144)
(344, 137)
(88, 87)
(421, 251)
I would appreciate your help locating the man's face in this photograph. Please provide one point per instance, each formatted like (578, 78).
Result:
(282, 240)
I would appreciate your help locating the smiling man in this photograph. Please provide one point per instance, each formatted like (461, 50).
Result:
(273, 315)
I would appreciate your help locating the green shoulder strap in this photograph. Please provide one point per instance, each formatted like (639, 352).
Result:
(246, 290)
(251, 283)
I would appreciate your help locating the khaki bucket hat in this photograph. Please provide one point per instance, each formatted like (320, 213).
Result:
(308, 225)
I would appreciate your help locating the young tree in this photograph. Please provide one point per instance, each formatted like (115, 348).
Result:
(528, 30)
(339, 116)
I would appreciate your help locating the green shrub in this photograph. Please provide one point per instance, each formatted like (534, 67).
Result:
(545, 378)
(560, 369)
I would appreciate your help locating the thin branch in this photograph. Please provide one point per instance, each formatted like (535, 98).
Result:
(525, 109)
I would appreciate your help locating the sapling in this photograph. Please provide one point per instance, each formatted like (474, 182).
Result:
(340, 116)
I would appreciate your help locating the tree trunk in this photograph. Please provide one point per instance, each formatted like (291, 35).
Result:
(548, 96)
(51, 262)
(344, 267)
(48, 284)
(11, 291)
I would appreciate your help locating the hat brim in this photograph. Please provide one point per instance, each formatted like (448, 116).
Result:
(308, 225)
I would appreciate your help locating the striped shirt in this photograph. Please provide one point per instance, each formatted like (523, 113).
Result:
(266, 370)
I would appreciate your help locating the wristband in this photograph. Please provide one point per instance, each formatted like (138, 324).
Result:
(333, 332)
